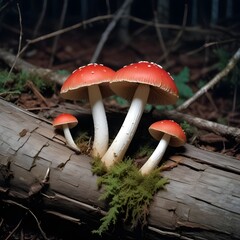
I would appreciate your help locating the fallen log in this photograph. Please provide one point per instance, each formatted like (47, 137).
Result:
(202, 200)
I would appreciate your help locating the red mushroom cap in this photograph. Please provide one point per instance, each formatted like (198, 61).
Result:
(162, 87)
(75, 86)
(65, 118)
(178, 137)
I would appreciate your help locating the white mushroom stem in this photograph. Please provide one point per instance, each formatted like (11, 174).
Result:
(68, 137)
(101, 136)
(156, 156)
(124, 137)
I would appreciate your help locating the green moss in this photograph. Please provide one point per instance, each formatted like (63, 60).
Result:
(98, 168)
(128, 193)
(144, 151)
(17, 81)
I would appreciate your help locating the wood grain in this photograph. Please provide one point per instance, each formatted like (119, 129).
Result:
(202, 200)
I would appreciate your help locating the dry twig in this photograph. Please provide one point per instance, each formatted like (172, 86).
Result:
(20, 40)
(200, 123)
(14, 230)
(109, 28)
(36, 92)
(28, 210)
(178, 36)
(40, 19)
(107, 17)
(19, 64)
(55, 42)
(231, 64)
(160, 36)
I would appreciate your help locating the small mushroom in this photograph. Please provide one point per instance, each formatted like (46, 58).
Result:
(91, 82)
(142, 82)
(66, 121)
(167, 132)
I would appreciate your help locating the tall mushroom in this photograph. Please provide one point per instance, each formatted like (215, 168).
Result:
(167, 132)
(66, 121)
(140, 82)
(92, 82)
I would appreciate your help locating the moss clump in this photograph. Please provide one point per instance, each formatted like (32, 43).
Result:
(128, 192)
(98, 168)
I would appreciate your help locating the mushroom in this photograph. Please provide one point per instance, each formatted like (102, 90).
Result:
(167, 132)
(92, 82)
(66, 121)
(142, 82)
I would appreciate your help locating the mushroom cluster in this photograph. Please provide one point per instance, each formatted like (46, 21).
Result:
(91, 82)
(141, 83)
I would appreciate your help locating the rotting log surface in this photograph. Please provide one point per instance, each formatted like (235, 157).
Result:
(202, 200)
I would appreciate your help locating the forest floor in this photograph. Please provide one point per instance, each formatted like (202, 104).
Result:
(221, 104)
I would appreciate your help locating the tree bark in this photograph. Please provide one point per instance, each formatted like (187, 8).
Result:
(202, 200)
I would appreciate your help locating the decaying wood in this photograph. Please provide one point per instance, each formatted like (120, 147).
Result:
(202, 200)
(223, 130)
(50, 75)
(22, 65)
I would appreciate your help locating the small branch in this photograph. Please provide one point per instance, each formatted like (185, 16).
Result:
(20, 41)
(4, 6)
(106, 17)
(109, 28)
(160, 36)
(231, 64)
(55, 42)
(20, 65)
(178, 36)
(14, 230)
(36, 92)
(40, 19)
(201, 123)
(67, 29)
(210, 44)
(33, 215)
(180, 33)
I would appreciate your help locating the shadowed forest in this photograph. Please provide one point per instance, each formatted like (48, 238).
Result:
(197, 42)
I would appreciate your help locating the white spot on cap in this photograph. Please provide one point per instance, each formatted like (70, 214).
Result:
(143, 62)
(170, 76)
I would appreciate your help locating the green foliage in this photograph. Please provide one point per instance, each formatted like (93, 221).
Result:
(129, 194)
(98, 168)
(201, 83)
(17, 82)
(64, 72)
(188, 129)
(223, 58)
(4, 77)
(182, 80)
(144, 151)
(121, 101)
(185, 92)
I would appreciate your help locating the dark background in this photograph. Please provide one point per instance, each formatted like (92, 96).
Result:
(208, 21)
